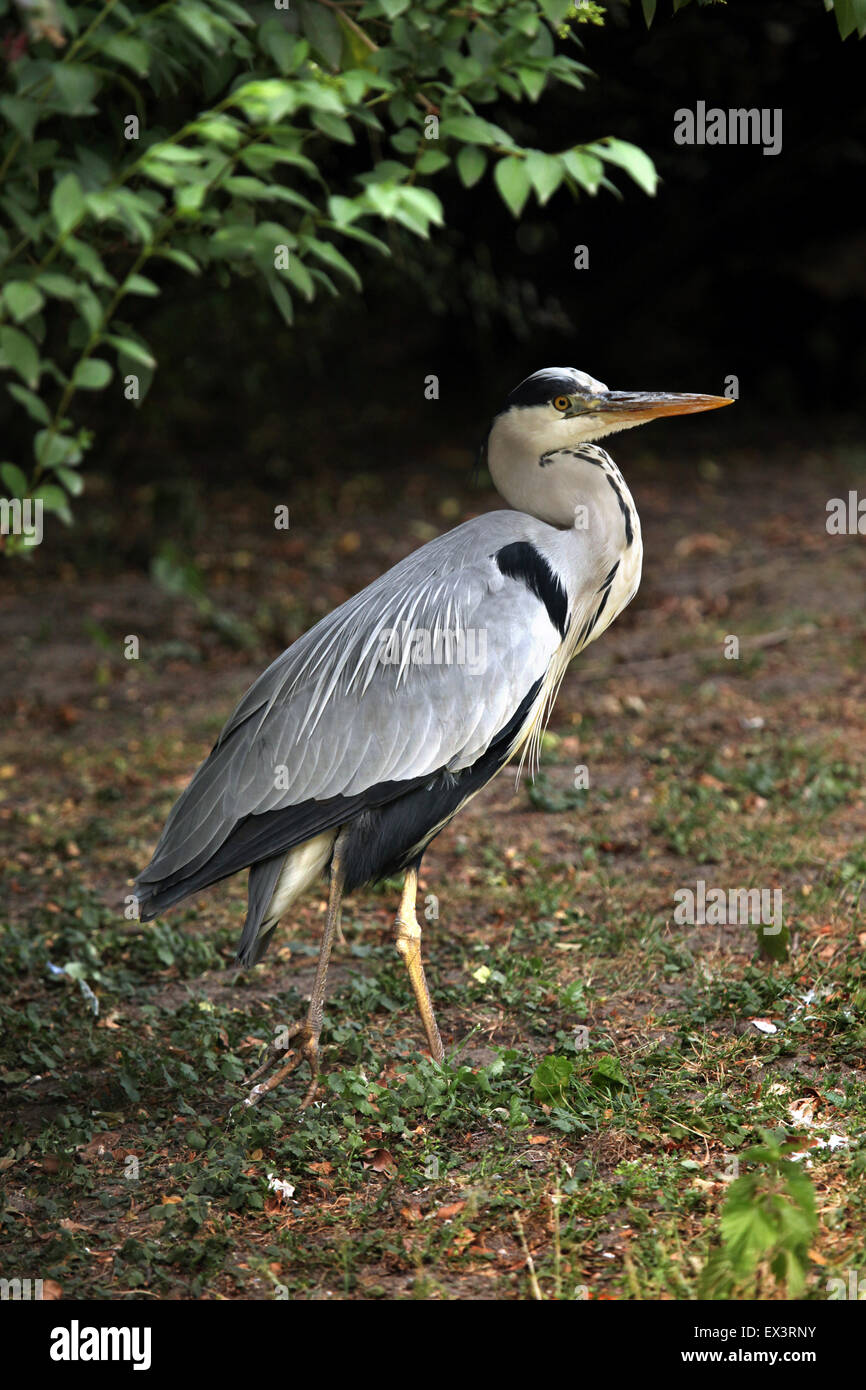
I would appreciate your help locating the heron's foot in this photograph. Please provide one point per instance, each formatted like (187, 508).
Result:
(306, 1048)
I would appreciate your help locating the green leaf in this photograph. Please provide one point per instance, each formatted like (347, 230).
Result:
(87, 260)
(170, 152)
(89, 308)
(383, 198)
(49, 449)
(850, 16)
(585, 169)
(245, 186)
(135, 211)
(67, 202)
(34, 405)
(236, 13)
(281, 297)
(512, 180)
(140, 284)
(356, 81)
(556, 11)
(23, 299)
(424, 202)
(471, 163)
(298, 275)
(630, 158)
(14, 479)
(91, 375)
(54, 500)
(260, 158)
(181, 258)
(329, 255)
(406, 141)
(551, 1080)
(320, 26)
(393, 8)
(608, 1073)
(431, 161)
(334, 127)
(532, 81)
(546, 173)
(773, 946)
(75, 85)
(128, 347)
(472, 130)
(344, 210)
(72, 481)
(199, 22)
(21, 114)
(358, 234)
(266, 102)
(19, 353)
(649, 11)
(219, 129)
(232, 242)
(133, 53)
(190, 198)
(58, 286)
(279, 45)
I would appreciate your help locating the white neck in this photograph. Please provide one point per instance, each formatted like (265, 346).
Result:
(547, 469)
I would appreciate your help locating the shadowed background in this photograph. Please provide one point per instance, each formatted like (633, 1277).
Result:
(742, 264)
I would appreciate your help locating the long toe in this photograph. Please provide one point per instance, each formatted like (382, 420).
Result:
(306, 1049)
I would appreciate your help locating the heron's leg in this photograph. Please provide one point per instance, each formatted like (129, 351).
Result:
(308, 1031)
(408, 942)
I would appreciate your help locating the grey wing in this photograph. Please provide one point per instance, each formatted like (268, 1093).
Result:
(416, 673)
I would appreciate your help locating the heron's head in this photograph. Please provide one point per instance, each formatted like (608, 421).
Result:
(567, 407)
(560, 408)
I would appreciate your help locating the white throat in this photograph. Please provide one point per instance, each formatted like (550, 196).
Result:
(545, 468)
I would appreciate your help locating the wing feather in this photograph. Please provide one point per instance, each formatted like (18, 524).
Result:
(343, 721)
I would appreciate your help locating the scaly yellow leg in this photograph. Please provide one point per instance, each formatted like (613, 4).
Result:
(408, 942)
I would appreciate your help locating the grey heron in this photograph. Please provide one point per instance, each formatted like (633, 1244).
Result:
(366, 737)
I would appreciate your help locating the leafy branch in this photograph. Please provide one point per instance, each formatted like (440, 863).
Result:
(94, 188)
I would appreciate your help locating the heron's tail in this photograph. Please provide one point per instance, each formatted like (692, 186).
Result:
(258, 931)
(154, 899)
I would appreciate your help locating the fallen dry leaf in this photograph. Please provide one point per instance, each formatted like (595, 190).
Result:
(446, 1213)
(380, 1161)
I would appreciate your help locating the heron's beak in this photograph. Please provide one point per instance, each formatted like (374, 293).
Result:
(633, 407)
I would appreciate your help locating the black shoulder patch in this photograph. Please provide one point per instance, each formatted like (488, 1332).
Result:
(522, 561)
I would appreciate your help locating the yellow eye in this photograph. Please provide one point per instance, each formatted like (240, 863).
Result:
(561, 403)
